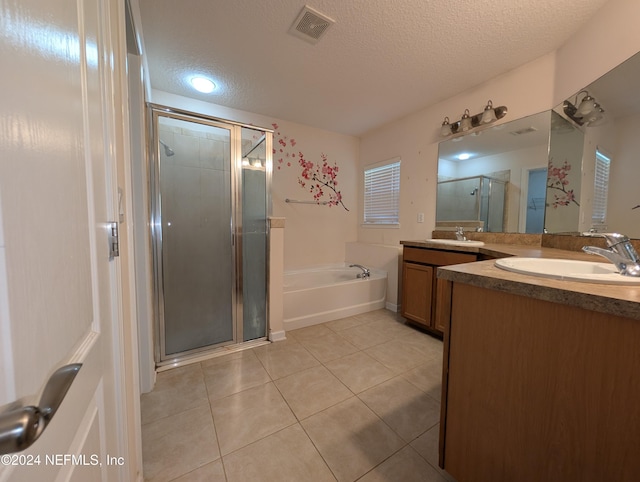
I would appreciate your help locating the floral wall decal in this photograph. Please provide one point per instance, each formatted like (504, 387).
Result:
(558, 179)
(318, 178)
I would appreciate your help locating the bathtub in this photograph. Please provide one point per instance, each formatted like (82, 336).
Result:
(322, 294)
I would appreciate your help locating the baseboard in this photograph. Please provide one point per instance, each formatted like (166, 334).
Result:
(392, 307)
(279, 335)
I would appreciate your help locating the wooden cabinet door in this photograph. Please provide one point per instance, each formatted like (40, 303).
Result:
(417, 292)
(442, 311)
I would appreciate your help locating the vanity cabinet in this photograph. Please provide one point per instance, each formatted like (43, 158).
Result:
(538, 390)
(423, 295)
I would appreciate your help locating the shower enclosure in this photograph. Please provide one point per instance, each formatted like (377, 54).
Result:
(478, 198)
(210, 190)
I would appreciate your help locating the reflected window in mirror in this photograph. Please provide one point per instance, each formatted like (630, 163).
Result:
(600, 191)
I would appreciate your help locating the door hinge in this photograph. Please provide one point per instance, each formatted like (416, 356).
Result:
(114, 247)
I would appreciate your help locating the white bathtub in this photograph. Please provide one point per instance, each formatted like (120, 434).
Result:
(329, 293)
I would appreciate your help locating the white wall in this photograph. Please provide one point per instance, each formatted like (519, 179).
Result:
(607, 40)
(314, 235)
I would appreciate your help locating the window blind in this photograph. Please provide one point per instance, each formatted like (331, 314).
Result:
(382, 194)
(601, 188)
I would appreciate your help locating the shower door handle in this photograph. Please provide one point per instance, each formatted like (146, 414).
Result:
(21, 427)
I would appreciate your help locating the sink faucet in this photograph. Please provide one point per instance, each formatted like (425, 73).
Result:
(620, 252)
(365, 271)
(460, 234)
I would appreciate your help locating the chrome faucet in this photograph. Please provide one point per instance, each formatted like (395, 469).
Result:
(620, 252)
(365, 271)
(460, 234)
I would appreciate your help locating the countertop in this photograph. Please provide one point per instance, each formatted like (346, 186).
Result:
(611, 299)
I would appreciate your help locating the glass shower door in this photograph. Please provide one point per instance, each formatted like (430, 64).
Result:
(194, 217)
(255, 172)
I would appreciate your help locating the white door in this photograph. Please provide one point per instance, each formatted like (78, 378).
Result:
(59, 291)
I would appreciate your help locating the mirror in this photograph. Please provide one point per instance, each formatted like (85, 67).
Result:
(493, 179)
(503, 185)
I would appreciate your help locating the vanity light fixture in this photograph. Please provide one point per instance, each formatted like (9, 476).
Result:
(469, 122)
(588, 112)
(489, 114)
(465, 122)
(445, 130)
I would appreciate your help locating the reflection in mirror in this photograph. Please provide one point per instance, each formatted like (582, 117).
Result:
(517, 153)
(564, 178)
(495, 179)
(610, 149)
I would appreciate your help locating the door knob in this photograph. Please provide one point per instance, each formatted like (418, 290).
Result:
(21, 427)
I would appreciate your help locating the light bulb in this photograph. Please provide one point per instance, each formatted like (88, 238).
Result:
(586, 106)
(489, 115)
(445, 130)
(203, 85)
(465, 122)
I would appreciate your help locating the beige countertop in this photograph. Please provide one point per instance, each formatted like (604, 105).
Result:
(612, 299)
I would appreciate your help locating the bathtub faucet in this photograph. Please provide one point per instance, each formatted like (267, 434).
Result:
(365, 271)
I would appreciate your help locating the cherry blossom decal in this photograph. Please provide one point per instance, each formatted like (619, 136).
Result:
(319, 178)
(557, 178)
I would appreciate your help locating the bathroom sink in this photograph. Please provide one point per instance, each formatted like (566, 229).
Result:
(567, 269)
(455, 242)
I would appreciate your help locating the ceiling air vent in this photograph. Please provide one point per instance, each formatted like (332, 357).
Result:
(310, 25)
(526, 130)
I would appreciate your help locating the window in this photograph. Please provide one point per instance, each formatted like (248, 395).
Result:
(382, 194)
(601, 189)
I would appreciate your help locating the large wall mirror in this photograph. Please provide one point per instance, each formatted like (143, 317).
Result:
(545, 172)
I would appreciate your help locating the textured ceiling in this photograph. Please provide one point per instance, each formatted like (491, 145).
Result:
(380, 61)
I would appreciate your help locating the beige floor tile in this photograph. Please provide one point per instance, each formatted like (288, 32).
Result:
(344, 323)
(359, 371)
(392, 328)
(178, 444)
(311, 391)
(406, 409)
(250, 415)
(309, 333)
(429, 345)
(226, 357)
(427, 446)
(213, 472)
(363, 336)
(351, 438)
(399, 356)
(377, 314)
(329, 347)
(427, 377)
(178, 377)
(176, 391)
(283, 360)
(236, 374)
(405, 466)
(284, 456)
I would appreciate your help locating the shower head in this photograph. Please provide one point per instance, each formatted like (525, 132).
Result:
(167, 150)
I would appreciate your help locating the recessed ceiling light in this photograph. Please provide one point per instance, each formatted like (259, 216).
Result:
(203, 85)
(464, 156)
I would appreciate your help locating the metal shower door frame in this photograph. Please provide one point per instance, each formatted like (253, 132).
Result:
(154, 112)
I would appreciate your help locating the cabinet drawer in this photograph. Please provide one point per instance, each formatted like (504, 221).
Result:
(435, 257)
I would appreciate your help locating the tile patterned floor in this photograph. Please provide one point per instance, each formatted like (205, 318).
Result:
(351, 399)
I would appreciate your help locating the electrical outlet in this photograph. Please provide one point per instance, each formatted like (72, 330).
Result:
(421, 217)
